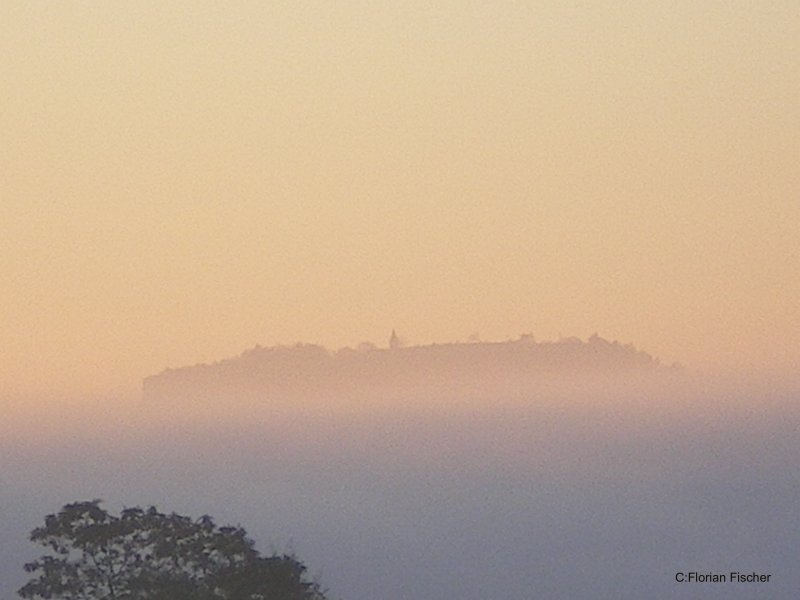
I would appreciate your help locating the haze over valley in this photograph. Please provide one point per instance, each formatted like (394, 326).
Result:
(206, 209)
(527, 469)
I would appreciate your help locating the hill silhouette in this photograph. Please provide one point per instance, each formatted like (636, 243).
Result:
(308, 370)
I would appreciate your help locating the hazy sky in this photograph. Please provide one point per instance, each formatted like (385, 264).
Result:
(180, 181)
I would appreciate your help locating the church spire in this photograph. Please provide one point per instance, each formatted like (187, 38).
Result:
(394, 341)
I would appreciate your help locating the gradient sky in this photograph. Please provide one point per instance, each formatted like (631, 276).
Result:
(180, 181)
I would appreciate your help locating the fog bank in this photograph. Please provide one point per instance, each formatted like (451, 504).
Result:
(600, 490)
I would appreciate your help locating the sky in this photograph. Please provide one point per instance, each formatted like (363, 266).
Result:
(181, 181)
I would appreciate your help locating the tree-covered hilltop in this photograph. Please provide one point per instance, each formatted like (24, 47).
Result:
(303, 369)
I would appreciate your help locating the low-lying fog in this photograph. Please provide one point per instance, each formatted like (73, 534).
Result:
(596, 492)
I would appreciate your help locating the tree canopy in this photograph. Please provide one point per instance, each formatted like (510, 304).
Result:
(144, 554)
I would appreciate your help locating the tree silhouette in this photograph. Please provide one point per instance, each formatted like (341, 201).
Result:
(144, 554)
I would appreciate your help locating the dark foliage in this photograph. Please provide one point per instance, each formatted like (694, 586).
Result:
(144, 554)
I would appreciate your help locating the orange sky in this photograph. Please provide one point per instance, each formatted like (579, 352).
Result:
(180, 181)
